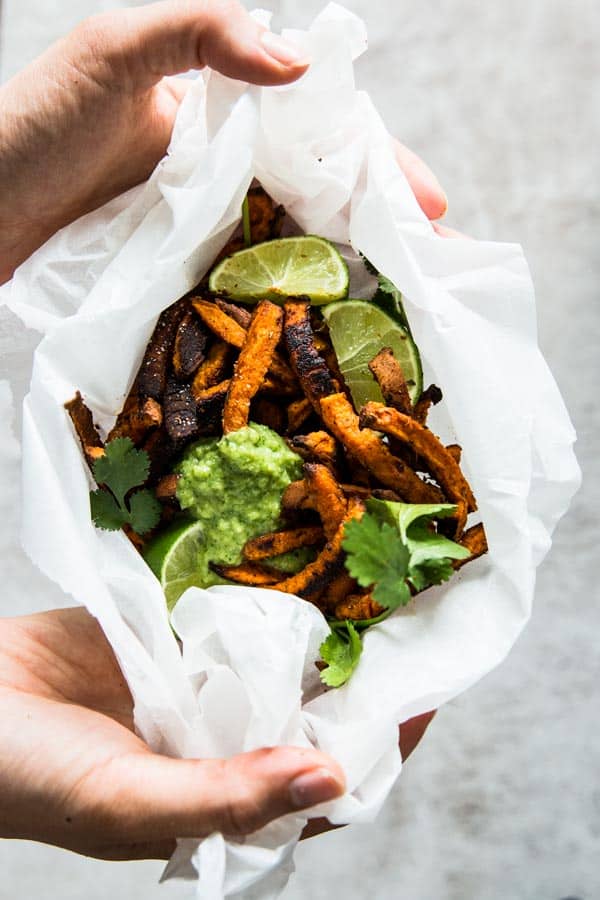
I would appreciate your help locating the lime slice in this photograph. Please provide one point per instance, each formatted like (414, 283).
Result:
(358, 331)
(287, 267)
(173, 557)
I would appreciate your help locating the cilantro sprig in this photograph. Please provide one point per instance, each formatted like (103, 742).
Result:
(119, 470)
(396, 550)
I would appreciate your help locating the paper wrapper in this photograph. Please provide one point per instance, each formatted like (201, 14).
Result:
(247, 677)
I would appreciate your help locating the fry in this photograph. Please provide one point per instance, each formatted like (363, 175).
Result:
(190, 343)
(161, 450)
(295, 495)
(367, 447)
(166, 489)
(266, 412)
(310, 368)
(138, 416)
(152, 375)
(226, 328)
(248, 573)
(455, 451)
(209, 407)
(239, 313)
(298, 412)
(388, 373)
(358, 606)
(83, 423)
(277, 542)
(326, 497)
(341, 587)
(181, 420)
(440, 462)
(252, 364)
(431, 396)
(213, 369)
(317, 446)
(317, 575)
(473, 539)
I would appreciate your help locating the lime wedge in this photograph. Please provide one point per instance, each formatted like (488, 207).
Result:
(173, 557)
(287, 267)
(358, 331)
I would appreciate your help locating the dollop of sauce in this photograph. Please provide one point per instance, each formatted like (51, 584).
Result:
(233, 486)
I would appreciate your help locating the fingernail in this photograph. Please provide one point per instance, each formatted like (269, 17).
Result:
(282, 51)
(314, 787)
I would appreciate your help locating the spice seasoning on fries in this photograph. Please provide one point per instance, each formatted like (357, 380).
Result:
(254, 443)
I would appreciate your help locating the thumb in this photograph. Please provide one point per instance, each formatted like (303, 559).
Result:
(146, 43)
(151, 798)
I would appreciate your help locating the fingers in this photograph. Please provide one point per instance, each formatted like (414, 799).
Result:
(144, 44)
(412, 731)
(149, 798)
(426, 188)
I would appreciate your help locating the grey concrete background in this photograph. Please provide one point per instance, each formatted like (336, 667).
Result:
(503, 798)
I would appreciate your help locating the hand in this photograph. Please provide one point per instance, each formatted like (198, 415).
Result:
(93, 116)
(74, 774)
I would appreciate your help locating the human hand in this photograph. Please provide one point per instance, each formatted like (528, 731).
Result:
(74, 774)
(93, 115)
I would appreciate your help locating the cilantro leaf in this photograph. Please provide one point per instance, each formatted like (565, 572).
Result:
(122, 467)
(395, 546)
(119, 470)
(376, 556)
(145, 511)
(341, 650)
(106, 512)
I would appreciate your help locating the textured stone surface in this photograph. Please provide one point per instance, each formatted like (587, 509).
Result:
(503, 798)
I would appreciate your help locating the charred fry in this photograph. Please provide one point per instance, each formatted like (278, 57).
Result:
(152, 376)
(475, 541)
(139, 416)
(209, 407)
(239, 313)
(277, 542)
(455, 451)
(252, 364)
(310, 368)
(181, 420)
(431, 396)
(389, 376)
(190, 343)
(83, 423)
(343, 422)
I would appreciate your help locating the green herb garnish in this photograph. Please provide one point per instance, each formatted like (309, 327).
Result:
(121, 469)
(394, 548)
(341, 650)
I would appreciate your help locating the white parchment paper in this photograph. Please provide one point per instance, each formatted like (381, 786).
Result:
(246, 677)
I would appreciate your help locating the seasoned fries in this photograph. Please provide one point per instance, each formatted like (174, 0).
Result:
(212, 367)
(252, 364)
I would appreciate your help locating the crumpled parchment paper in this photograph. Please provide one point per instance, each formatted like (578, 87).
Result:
(246, 677)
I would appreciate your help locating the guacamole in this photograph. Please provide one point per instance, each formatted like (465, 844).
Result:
(233, 485)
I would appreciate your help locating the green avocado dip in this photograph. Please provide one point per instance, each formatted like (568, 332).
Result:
(233, 486)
